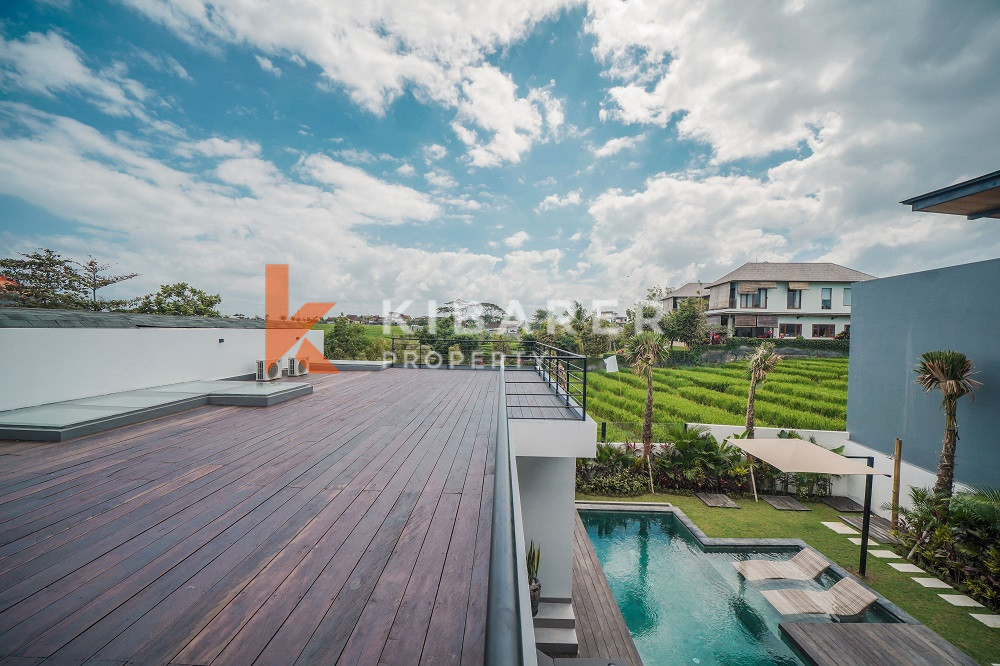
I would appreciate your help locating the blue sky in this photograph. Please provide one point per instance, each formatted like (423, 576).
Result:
(535, 150)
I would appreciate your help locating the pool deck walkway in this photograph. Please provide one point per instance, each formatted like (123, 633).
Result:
(858, 644)
(351, 525)
(600, 627)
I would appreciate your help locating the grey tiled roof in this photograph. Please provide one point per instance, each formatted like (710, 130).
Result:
(795, 272)
(42, 318)
(689, 290)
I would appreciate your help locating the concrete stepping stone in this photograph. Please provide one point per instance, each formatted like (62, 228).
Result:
(934, 583)
(840, 528)
(961, 600)
(857, 541)
(885, 554)
(906, 567)
(991, 621)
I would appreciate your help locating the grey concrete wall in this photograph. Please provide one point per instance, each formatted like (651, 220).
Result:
(894, 321)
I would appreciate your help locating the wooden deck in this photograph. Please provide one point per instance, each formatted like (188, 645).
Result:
(600, 626)
(785, 503)
(530, 397)
(350, 526)
(879, 528)
(856, 644)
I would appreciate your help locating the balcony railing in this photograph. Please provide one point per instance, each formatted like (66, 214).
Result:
(563, 373)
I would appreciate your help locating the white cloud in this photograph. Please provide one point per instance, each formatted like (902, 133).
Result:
(617, 145)
(356, 156)
(217, 147)
(578, 236)
(48, 63)
(555, 201)
(434, 152)
(406, 169)
(512, 124)
(440, 179)
(268, 66)
(517, 239)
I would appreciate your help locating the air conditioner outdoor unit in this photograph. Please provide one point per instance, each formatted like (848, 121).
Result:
(297, 367)
(268, 370)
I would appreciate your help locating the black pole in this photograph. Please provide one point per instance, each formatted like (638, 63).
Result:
(604, 431)
(866, 520)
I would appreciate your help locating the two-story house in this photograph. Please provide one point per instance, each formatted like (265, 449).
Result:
(812, 300)
(690, 290)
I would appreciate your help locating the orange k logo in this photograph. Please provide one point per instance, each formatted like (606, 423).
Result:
(281, 332)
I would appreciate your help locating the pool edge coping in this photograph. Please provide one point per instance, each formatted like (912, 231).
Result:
(706, 541)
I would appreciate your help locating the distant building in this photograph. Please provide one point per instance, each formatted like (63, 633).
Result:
(690, 290)
(812, 300)
(613, 317)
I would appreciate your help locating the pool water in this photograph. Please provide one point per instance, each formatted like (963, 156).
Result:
(685, 605)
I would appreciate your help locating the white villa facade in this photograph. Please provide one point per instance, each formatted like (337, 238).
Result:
(784, 300)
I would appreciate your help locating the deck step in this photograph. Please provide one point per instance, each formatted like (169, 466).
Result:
(556, 615)
(556, 640)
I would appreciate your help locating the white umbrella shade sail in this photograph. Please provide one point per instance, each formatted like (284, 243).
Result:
(798, 455)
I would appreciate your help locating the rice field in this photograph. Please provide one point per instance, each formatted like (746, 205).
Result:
(807, 393)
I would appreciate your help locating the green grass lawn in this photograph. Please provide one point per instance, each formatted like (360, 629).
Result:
(372, 331)
(760, 520)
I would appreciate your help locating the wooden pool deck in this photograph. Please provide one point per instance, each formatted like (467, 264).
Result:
(349, 526)
(600, 626)
(856, 644)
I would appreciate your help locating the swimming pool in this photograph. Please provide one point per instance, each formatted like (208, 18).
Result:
(685, 605)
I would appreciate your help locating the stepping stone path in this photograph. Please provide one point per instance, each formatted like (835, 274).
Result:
(960, 600)
(991, 621)
(840, 528)
(857, 541)
(884, 554)
(933, 583)
(906, 567)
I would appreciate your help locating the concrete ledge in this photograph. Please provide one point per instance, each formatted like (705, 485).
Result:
(371, 366)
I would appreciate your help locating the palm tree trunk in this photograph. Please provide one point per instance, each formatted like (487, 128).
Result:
(946, 466)
(647, 430)
(750, 407)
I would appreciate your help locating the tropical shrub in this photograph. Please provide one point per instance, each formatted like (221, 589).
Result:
(957, 540)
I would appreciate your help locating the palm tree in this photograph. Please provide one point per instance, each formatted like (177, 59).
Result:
(645, 351)
(951, 373)
(761, 363)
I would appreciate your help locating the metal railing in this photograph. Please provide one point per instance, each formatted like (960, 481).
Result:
(510, 636)
(563, 372)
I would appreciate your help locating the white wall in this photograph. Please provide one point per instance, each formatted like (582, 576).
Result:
(547, 488)
(43, 365)
(554, 438)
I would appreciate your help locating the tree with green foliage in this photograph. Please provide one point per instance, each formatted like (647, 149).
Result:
(92, 275)
(43, 279)
(951, 373)
(179, 299)
(345, 341)
(761, 363)
(644, 352)
(687, 323)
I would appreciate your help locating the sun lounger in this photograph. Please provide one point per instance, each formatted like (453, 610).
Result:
(806, 565)
(846, 598)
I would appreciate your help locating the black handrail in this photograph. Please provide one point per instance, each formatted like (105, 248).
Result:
(564, 372)
(504, 639)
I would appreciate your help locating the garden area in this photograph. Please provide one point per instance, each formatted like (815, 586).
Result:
(760, 520)
(807, 393)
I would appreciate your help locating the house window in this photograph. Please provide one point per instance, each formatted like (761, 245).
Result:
(789, 330)
(824, 330)
(794, 299)
(827, 298)
(847, 296)
(758, 300)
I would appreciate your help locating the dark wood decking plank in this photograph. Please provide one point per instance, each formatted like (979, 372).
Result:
(846, 644)
(784, 503)
(263, 486)
(717, 500)
(842, 504)
(879, 528)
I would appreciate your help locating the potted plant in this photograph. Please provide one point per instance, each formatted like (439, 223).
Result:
(533, 557)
